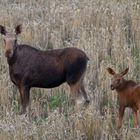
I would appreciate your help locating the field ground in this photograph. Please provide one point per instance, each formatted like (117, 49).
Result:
(108, 31)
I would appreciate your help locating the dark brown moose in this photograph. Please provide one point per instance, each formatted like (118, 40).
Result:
(128, 95)
(30, 67)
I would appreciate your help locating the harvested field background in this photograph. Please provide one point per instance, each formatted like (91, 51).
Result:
(108, 31)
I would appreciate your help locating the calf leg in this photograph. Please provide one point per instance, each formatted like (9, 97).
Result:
(135, 118)
(24, 96)
(120, 117)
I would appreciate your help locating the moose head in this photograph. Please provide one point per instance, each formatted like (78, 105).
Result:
(10, 39)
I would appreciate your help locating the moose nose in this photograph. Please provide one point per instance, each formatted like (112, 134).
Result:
(112, 87)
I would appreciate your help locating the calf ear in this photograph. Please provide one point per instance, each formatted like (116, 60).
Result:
(2, 30)
(18, 29)
(124, 72)
(111, 71)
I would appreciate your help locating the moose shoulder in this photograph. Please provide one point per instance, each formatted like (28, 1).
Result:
(30, 67)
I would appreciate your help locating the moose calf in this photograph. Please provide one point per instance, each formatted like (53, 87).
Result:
(128, 94)
(30, 67)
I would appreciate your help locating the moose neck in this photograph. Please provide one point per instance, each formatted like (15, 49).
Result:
(11, 55)
(125, 85)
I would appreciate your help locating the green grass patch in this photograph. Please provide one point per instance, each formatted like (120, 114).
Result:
(57, 100)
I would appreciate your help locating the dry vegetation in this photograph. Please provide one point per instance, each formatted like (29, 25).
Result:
(108, 31)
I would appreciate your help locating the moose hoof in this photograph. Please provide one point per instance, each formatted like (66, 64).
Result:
(87, 102)
(80, 101)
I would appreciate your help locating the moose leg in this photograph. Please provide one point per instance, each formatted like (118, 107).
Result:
(84, 92)
(135, 118)
(121, 113)
(75, 91)
(77, 88)
(24, 96)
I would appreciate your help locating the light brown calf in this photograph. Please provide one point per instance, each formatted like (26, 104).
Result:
(128, 94)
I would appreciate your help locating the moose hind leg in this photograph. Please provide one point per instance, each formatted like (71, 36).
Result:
(74, 92)
(24, 96)
(84, 92)
(78, 90)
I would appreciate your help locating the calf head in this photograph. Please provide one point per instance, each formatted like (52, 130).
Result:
(10, 39)
(117, 80)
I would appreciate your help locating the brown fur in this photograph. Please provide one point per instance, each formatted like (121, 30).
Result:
(128, 95)
(30, 67)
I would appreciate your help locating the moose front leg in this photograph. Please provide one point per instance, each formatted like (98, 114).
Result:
(120, 117)
(24, 96)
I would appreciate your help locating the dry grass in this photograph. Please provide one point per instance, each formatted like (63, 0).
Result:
(108, 31)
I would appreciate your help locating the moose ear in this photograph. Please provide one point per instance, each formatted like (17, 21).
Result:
(111, 71)
(124, 72)
(18, 29)
(2, 30)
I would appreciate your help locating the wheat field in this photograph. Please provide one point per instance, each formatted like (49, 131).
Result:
(109, 33)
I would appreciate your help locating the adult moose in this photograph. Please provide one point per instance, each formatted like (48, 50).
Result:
(128, 94)
(30, 67)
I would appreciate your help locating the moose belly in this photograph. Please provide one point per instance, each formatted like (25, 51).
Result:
(45, 83)
(46, 80)
(38, 77)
